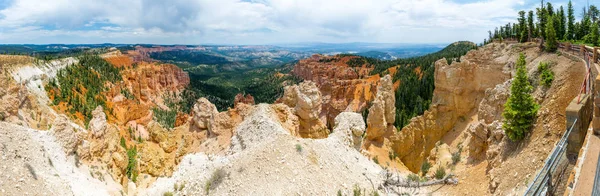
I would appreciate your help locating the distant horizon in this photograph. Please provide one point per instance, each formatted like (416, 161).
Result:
(216, 44)
(265, 22)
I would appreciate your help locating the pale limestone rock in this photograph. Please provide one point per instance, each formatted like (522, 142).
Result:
(203, 114)
(68, 136)
(307, 103)
(98, 123)
(383, 110)
(349, 128)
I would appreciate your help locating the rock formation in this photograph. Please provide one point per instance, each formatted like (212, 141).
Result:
(306, 100)
(240, 98)
(68, 136)
(459, 88)
(203, 114)
(349, 128)
(342, 87)
(98, 123)
(383, 111)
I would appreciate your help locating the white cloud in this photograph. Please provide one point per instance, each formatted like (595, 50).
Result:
(251, 22)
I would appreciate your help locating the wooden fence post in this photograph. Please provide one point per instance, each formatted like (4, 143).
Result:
(595, 56)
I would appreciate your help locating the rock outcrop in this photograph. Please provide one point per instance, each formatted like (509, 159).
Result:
(307, 105)
(68, 136)
(459, 88)
(342, 87)
(148, 82)
(98, 123)
(383, 111)
(203, 115)
(349, 128)
(240, 98)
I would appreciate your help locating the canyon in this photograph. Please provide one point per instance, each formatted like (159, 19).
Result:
(337, 127)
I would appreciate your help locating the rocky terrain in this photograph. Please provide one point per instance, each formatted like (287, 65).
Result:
(312, 141)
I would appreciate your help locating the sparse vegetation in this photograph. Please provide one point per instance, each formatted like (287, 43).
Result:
(298, 148)
(413, 178)
(455, 157)
(357, 191)
(425, 168)
(168, 193)
(546, 74)
(440, 172)
(132, 170)
(376, 160)
(214, 181)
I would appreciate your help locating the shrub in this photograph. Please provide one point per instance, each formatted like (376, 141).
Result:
(214, 181)
(123, 143)
(298, 148)
(375, 160)
(168, 194)
(520, 109)
(425, 167)
(131, 169)
(440, 172)
(413, 178)
(356, 191)
(455, 157)
(546, 75)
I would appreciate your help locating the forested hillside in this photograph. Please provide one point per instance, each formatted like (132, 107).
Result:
(551, 25)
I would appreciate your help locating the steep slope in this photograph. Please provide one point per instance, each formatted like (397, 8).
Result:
(266, 159)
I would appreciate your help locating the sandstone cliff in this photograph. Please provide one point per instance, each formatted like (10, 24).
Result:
(459, 87)
(342, 87)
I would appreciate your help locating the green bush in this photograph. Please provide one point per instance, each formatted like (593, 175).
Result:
(131, 170)
(425, 167)
(455, 157)
(216, 179)
(413, 178)
(520, 109)
(376, 160)
(440, 172)
(298, 148)
(546, 75)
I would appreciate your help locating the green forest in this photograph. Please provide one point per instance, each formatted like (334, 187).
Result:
(221, 88)
(552, 25)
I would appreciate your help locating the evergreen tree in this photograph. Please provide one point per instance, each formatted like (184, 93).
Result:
(530, 27)
(562, 30)
(585, 25)
(520, 110)
(522, 27)
(594, 13)
(592, 38)
(549, 9)
(571, 22)
(551, 42)
(541, 15)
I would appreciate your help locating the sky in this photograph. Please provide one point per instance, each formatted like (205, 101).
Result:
(252, 22)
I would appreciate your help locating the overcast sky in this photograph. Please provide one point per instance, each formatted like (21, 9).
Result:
(255, 21)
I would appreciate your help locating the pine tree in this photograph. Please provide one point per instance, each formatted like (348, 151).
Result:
(562, 29)
(522, 33)
(571, 22)
(530, 27)
(520, 110)
(549, 9)
(551, 42)
(542, 17)
(593, 36)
